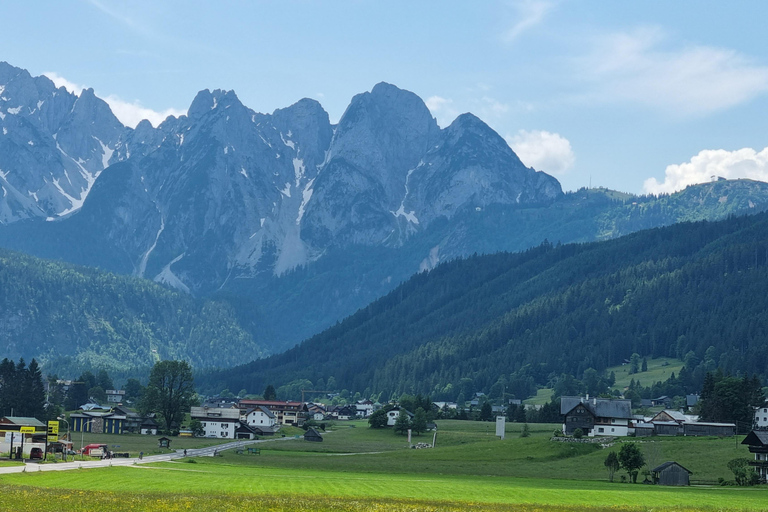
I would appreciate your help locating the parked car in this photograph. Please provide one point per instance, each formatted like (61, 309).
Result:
(36, 453)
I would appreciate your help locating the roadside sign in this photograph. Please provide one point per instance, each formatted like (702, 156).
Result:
(53, 427)
(27, 430)
(53, 439)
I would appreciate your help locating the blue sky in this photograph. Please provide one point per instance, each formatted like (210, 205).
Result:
(641, 97)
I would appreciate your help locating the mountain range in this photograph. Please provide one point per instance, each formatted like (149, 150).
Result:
(292, 220)
(511, 322)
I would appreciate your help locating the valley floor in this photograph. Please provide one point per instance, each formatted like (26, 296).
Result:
(470, 469)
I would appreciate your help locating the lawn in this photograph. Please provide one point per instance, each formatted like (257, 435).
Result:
(358, 468)
(213, 477)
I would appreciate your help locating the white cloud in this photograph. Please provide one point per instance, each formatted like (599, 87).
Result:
(529, 14)
(60, 81)
(709, 164)
(129, 113)
(542, 150)
(640, 67)
(442, 109)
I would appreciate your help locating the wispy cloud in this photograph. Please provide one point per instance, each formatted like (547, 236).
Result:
(129, 113)
(642, 66)
(712, 164)
(528, 14)
(443, 109)
(542, 150)
(60, 81)
(132, 113)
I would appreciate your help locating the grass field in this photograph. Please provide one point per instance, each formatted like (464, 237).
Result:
(358, 468)
(658, 370)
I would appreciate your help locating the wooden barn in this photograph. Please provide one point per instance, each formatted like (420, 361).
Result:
(313, 435)
(671, 473)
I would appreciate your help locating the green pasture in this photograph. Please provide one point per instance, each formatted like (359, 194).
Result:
(659, 369)
(543, 396)
(214, 477)
(358, 468)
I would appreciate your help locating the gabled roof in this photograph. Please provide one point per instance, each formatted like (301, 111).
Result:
(756, 438)
(667, 464)
(675, 415)
(599, 407)
(23, 421)
(263, 409)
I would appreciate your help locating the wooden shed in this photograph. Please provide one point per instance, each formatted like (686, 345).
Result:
(313, 435)
(671, 473)
(163, 442)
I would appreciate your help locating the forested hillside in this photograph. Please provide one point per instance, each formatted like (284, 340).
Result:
(523, 319)
(72, 318)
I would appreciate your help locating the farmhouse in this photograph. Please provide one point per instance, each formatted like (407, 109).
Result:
(671, 473)
(757, 440)
(216, 422)
(596, 416)
(393, 415)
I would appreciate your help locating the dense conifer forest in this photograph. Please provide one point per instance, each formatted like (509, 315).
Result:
(692, 290)
(72, 318)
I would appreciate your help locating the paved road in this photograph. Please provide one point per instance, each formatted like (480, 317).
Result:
(178, 454)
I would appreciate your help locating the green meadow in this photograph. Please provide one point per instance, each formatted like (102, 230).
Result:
(357, 468)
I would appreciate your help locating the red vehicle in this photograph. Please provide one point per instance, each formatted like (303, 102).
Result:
(98, 449)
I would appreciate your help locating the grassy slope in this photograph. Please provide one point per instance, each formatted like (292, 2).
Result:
(657, 371)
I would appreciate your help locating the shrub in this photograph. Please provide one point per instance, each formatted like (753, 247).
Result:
(578, 433)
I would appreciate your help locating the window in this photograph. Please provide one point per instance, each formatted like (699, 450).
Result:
(601, 430)
(613, 430)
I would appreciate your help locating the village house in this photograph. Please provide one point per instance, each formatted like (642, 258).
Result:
(287, 413)
(316, 412)
(596, 416)
(394, 413)
(364, 408)
(347, 412)
(260, 421)
(761, 417)
(757, 440)
(115, 396)
(217, 422)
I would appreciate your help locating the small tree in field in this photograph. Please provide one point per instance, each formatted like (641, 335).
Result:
(611, 465)
(526, 431)
(631, 460)
(378, 419)
(419, 421)
(403, 422)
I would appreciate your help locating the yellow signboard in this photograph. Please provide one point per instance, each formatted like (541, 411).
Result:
(27, 430)
(53, 427)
